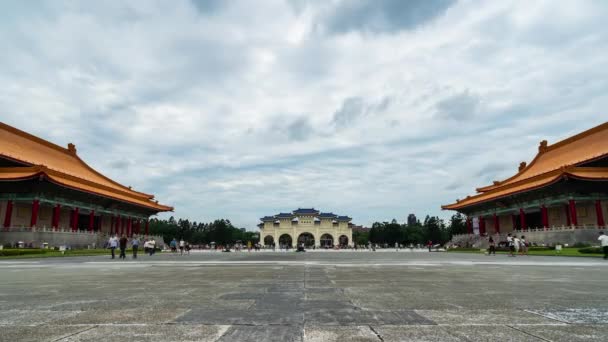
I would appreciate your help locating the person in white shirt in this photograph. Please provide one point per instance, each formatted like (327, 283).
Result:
(182, 244)
(523, 246)
(516, 243)
(604, 243)
(113, 244)
(511, 244)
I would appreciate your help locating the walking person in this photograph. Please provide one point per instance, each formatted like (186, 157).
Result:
(430, 244)
(604, 243)
(135, 246)
(152, 246)
(173, 245)
(123, 247)
(523, 246)
(516, 244)
(113, 244)
(511, 245)
(492, 246)
(182, 245)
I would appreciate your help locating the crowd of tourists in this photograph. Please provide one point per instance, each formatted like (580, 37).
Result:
(121, 244)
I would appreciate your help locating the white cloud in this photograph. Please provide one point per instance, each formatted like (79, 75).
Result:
(242, 109)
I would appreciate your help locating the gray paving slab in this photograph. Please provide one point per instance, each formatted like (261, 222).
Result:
(569, 333)
(34, 317)
(38, 333)
(141, 333)
(483, 317)
(338, 334)
(489, 333)
(241, 317)
(585, 316)
(276, 333)
(123, 316)
(420, 333)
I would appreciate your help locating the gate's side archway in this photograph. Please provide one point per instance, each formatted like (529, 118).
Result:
(268, 240)
(343, 240)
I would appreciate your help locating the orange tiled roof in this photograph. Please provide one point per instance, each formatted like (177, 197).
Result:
(62, 166)
(535, 182)
(580, 148)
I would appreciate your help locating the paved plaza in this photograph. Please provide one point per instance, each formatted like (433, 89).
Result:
(313, 296)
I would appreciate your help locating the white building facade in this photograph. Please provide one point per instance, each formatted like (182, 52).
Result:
(306, 226)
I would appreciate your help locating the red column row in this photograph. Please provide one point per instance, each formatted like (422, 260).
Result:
(118, 225)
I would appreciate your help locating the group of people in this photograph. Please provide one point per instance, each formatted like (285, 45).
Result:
(516, 245)
(183, 246)
(122, 242)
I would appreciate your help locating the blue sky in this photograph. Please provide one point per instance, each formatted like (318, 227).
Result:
(241, 109)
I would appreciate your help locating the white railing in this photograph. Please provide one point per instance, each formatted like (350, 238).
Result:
(536, 229)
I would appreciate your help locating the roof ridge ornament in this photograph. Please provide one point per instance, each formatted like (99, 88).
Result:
(72, 148)
(522, 165)
(542, 147)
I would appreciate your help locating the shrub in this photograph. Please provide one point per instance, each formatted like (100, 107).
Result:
(581, 245)
(591, 250)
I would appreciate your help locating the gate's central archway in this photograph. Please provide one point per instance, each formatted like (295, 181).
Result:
(327, 241)
(285, 241)
(307, 239)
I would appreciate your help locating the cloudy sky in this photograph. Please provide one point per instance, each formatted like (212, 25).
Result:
(240, 109)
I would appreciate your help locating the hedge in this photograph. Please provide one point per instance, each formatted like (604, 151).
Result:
(591, 250)
(13, 252)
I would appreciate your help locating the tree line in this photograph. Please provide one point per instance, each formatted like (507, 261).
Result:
(223, 232)
(432, 228)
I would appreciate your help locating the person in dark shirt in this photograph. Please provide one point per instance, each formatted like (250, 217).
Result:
(123, 246)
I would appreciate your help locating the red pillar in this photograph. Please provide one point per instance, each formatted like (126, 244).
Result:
(75, 220)
(496, 224)
(573, 218)
(35, 208)
(544, 216)
(567, 210)
(130, 227)
(599, 213)
(8, 214)
(482, 225)
(137, 226)
(147, 227)
(122, 226)
(91, 220)
(522, 218)
(56, 216)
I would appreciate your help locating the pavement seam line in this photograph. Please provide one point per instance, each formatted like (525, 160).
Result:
(528, 333)
(377, 333)
(76, 333)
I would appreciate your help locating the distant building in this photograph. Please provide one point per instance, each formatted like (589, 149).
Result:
(308, 226)
(360, 228)
(411, 220)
